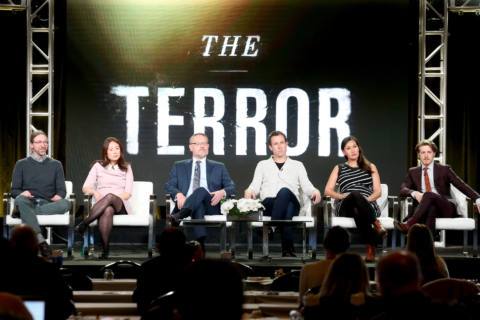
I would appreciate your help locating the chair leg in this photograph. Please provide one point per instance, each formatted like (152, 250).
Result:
(402, 240)
(223, 237)
(70, 232)
(312, 234)
(150, 236)
(394, 239)
(250, 240)
(265, 240)
(304, 241)
(475, 242)
(233, 233)
(465, 242)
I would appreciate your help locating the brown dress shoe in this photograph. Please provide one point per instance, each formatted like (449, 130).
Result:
(379, 229)
(402, 227)
(370, 257)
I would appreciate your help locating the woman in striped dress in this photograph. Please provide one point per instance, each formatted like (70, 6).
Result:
(355, 186)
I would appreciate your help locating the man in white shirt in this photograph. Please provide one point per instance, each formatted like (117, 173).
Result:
(277, 182)
(198, 185)
(429, 186)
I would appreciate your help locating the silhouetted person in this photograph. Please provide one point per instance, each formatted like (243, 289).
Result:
(420, 243)
(162, 274)
(398, 280)
(31, 276)
(336, 241)
(210, 289)
(345, 292)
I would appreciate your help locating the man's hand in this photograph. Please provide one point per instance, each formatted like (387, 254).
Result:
(55, 198)
(27, 194)
(316, 197)
(216, 197)
(418, 196)
(180, 200)
(248, 194)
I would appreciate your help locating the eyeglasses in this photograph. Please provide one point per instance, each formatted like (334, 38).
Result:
(199, 143)
(40, 142)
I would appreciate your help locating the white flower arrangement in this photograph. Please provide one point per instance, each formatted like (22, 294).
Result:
(241, 207)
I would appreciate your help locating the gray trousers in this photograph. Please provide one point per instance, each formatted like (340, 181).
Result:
(29, 208)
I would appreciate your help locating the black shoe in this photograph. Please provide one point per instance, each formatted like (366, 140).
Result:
(173, 219)
(81, 228)
(288, 253)
(105, 253)
(45, 250)
(183, 213)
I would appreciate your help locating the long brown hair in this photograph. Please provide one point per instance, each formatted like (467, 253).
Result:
(420, 243)
(362, 161)
(347, 275)
(122, 164)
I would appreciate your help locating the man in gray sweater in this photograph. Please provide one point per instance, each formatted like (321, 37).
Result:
(38, 186)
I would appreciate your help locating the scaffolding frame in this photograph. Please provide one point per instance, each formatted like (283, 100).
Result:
(40, 69)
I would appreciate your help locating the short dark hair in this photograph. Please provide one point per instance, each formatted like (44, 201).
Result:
(429, 143)
(35, 134)
(337, 240)
(171, 242)
(396, 271)
(274, 134)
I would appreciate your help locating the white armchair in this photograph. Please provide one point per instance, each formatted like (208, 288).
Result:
(67, 219)
(143, 204)
(467, 222)
(217, 220)
(385, 202)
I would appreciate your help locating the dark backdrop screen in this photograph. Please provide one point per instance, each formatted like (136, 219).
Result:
(153, 72)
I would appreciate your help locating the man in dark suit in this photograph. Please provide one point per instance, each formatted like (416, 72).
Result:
(429, 186)
(198, 185)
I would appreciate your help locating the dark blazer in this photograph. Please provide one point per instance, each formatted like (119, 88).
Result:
(443, 176)
(181, 173)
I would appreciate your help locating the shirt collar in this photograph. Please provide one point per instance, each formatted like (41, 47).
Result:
(430, 166)
(37, 157)
(202, 161)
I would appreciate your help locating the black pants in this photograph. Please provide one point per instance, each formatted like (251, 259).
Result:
(431, 207)
(356, 206)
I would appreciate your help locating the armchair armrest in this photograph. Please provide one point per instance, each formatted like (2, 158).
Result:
(87, 202)
(327, 210)
(393, 208)
(6, 203)
(406, 204)
(470, 208)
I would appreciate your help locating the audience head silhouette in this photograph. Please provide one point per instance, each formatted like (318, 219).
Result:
(347, 275)
(210, 289)
(171, 242)
(398, 273)
(24, 241)
(337, 240)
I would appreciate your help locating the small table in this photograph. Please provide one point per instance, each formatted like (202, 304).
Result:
(247, 219)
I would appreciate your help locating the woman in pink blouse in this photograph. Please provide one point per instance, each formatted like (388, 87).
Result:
(110, 182)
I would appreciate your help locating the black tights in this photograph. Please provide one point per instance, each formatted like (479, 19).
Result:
(103, 210)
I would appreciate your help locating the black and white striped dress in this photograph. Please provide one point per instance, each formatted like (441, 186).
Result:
(354, 179)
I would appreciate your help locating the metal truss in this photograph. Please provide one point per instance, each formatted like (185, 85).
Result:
(432, 73)
(13, 5)
(40, 44)
(432, 67)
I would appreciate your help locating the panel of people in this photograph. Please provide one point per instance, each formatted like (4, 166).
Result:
(198, 185)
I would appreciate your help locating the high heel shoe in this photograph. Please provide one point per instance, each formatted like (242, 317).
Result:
(379, 229)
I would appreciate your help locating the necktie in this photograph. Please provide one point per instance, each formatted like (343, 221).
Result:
(428, 187)
(196, 176)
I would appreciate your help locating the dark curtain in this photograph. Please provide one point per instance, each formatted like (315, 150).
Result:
(13, 93)
(463, 97)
